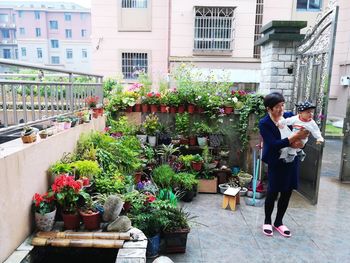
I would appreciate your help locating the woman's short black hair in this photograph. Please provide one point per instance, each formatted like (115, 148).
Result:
(272, 99)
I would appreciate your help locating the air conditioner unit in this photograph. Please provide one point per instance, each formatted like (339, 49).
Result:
(345, 80)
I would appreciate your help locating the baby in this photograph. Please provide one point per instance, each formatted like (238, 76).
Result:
(304, 119)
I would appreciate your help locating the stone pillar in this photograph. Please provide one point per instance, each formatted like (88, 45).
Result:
(278, 56)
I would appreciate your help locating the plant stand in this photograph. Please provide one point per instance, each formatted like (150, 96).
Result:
(231, 198)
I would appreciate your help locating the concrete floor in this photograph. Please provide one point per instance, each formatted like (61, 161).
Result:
(321, 233)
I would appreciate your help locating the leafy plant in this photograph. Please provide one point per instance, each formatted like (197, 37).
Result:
(86, 168)
(151, 124)
(201, 128)
(185, 180)
(197, 158)
(163, 176)
(182, 123)
(166, 151)
(167, 194)
(60, 168)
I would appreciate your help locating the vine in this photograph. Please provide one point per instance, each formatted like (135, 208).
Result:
(254, 104)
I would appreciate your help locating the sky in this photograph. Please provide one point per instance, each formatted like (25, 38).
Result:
(84, 3)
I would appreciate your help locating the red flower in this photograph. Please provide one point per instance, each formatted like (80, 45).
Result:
(37, 198)
(151, 198)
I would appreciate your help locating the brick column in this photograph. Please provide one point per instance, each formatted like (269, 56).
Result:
(278, 49)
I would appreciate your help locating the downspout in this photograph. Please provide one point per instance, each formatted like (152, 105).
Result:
(169, 37)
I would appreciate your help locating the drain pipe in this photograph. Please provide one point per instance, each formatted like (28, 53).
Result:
(169, 32)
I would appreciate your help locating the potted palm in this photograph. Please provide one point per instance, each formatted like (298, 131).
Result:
(45, 211)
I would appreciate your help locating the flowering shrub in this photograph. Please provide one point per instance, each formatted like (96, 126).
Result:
(67, 192)
(152, 98)
(151, 124)
(44, 204)
(92, 101)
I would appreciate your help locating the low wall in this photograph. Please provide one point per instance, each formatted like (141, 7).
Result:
(22, 173)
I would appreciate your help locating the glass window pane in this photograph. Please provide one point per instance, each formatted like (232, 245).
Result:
(301, 4)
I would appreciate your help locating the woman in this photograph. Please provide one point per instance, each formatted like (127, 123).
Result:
(282, 177)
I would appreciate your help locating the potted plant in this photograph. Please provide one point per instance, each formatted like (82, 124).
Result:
(67, 192)
(163, 176)
(182, 123)
(45, 211)
(151, 125)
(141, 134)
(164, 136)
(166, 152)
(43, 134)
(90, 214)
(86, 169)
(91, 103)
(173, 100)
(28, 135)
(208, 182)
(202, 131)
(187, 184)
(197, 162)
(153, 99)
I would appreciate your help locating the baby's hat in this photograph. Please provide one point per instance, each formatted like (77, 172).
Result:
(305, 106)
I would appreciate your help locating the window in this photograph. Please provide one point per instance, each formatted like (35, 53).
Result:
(37, 15)
(22, 31)
(16, 53)
(83, 16)
(5, 33)
(68, 33)
(53, 24)
(309, 5)
(4, 18)
(24, 51)
(55, 60)
(84, 53)
(83, 32)
(14, 18)
(6, 53)
(54, 43)
(69, 53)
(133, 64)
(213, 28)
(20, 13)
(39, 53)
(67, 16)
(134, 4)
(38, 32)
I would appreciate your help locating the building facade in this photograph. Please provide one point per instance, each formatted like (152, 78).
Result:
(153, 36)
(55, 34)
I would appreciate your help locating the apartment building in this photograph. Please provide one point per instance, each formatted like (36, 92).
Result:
(153, 36)
(55, 34)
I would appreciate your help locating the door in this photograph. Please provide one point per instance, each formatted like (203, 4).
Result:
(314, 59)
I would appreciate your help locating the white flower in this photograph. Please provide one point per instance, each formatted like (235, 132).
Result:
(235, 99)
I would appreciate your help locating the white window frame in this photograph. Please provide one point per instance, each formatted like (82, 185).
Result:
(39, 53)
(52, 60)
(7, 50)
(214, 29)
(132, 68)
(38, 32)
(8, 33)
(84, 53)
(22, 31)
(53, 24)
(68, 33)
(52, 41)
(37, 15)
(6, 16)
(69, 53)
(308, 9)
(83, 33)
(67, 17)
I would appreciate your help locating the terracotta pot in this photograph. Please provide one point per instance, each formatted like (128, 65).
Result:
(192, 141)
(154, 108)
(45, 222)
(71, 221)
(128, 109)
(184, 141)
(163, 108)
(173, 109)
(137, 107)
(197, 166)
(137, 177)
(91, 221)
(228, 110)
(190, 108)
(181, 109)
(144, 107)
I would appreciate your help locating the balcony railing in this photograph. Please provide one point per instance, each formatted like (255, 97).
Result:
(43, 95)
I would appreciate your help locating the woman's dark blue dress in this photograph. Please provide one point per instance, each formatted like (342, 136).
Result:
(282, 177)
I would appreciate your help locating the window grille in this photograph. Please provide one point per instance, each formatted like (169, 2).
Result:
(309, 5)
(258, 24)
(83, 32)
(133, 64)
(22, 31)
(213, 28)
(5, 33)
(134, 3)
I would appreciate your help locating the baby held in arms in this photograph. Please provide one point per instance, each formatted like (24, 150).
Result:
(303, 120)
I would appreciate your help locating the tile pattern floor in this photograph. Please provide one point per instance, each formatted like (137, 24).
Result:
(320, 233)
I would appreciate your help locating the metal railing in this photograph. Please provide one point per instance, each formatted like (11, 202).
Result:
(27, 99)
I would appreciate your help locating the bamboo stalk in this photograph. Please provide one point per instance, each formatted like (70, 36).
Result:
(85, 235)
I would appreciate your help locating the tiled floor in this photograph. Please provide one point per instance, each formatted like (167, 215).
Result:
(320, 233)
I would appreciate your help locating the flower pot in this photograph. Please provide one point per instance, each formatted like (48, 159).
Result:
(215, 140)
(197, 166)
(223, 187)
(128, 109)
(190, 108)
(208, 185)
(152, 140)
(181, 109)
(244, 178)
(95, 112)
(200, 110)
(184, 141)
(67, 125)
(228, 110)
(144, 107)
(153, 246)
(154, 108)
(137, 177)
(142, 138)
(173, 109)
(91, 220)
(202, 141)
(243, 191)
(192, 141)
(137, 107)
(163, 108)
(188, 195)
(175, 242)
(29, 138)
(45, 222)
(43, 135)
(71, 221)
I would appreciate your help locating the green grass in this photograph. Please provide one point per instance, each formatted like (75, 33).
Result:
(333, 131)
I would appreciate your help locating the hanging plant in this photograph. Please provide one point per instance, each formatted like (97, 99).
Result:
(254, 104)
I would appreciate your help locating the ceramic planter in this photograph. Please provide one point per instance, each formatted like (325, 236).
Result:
(202, 141)
(29, 138)
(128, 109)
(45, 222)
(200, 110)
(228, 110)
(192, 141)
(153, 246)
(173, 109)
(152, 140)
(163, 108)
(223, 187)
(175, 242)
(154, 108)
(142, 138)
(144, 107)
